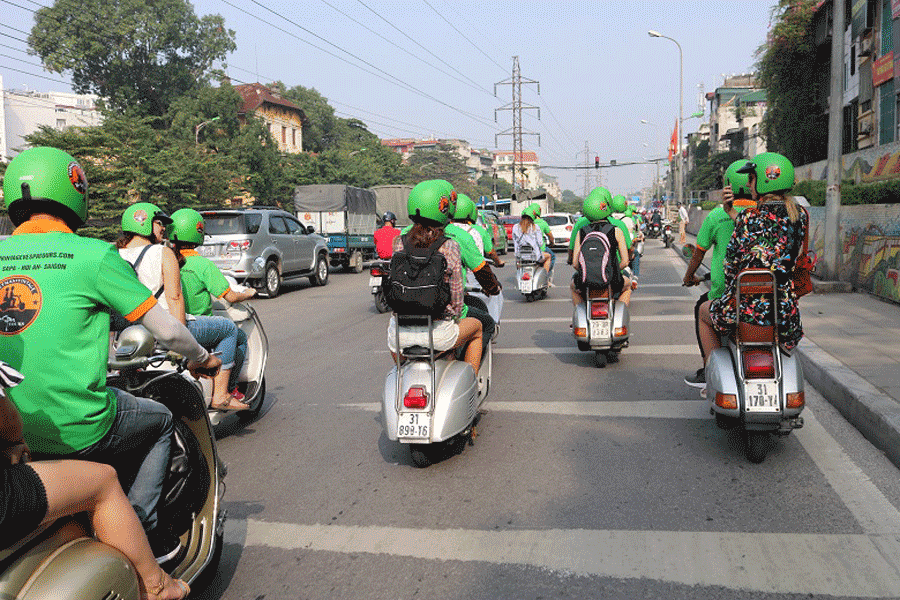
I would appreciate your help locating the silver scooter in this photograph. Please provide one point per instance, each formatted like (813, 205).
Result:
(751, 382)
(600, 324)
(532, 278)
(62, 559)
(431, 400)
(252, 380)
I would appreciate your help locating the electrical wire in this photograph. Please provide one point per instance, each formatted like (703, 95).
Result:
(462, 34)
(33, 74)
(419, 58)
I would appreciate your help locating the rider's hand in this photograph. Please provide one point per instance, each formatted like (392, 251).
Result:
(727, 196)
(15, 454)
(208, 368)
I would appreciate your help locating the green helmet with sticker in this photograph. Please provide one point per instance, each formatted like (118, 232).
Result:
(598, 205)
(186, 226)
(532, 211)
(537, 209)
(45, 179)
(739, 182)
(465, 209)
(138, 218)
(432, 202)
(619, 203)
(774, 172)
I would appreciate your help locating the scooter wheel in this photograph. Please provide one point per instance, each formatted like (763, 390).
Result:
(600, 358)
(381, 304)
(422, 455)
(757, 445)
(612, 357)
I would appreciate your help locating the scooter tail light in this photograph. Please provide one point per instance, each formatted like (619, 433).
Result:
(620, 331)
(599, 310)
(377, 272)
(728, 401)
(416, 397)
(580, 332)
(759, 364)
(526, 276)
(796, 400)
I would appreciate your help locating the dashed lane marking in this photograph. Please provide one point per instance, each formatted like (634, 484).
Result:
(634, 318)
(663, 349)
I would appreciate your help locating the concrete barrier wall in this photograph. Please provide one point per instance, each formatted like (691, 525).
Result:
(870, 244)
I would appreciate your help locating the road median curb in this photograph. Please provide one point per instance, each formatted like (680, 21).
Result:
(875, 414)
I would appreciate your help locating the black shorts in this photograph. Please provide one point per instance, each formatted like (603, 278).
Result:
(616, 285)
(23, 503)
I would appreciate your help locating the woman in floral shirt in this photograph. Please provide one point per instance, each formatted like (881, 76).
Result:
(769, 236)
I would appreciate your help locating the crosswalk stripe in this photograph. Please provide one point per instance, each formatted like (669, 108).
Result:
(635, 298)
(633, 349)
(775, 563)
(684, 409)
(634, 318)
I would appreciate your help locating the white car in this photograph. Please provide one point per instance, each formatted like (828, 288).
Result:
(561, 225)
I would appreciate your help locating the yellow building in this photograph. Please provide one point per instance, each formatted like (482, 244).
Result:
(284, 119)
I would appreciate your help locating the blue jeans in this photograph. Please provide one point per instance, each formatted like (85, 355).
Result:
(138, 445)
(549, 250)
(636, 264)
(220, 334)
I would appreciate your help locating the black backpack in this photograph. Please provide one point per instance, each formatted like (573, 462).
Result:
(417, 284)
(597, 257)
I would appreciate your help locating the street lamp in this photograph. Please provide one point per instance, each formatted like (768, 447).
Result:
(201, 126)
(680, 175)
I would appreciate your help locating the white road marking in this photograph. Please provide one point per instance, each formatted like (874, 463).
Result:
(636, 297)
(687, 409)
(632, 349)
(868, 505)
(776, 563)
(634, 318)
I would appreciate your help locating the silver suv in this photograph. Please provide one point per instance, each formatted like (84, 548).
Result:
(263, 247)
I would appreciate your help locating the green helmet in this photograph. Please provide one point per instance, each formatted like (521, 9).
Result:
(432, 201)
(532, 211)
(739, 182)
(619, 203)
(465, 209)
(774, 172)
(598, 205)
(138, 218)
(45, 179)
(629, 210)
(186, 226)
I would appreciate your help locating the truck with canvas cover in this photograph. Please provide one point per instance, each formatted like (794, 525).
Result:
(345, 215)
(392, 198)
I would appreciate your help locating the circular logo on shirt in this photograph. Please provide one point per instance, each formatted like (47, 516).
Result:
(77, 177)
(20, 303)
(773, 172)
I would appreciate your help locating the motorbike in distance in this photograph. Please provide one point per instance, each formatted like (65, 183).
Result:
(667, 234)
(532, 278)
(379, 272)
(63, 560)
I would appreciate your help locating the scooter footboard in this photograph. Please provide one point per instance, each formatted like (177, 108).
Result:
(721, 379)
(448, 414)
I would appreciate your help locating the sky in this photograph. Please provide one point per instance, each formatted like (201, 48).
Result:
(428, 68)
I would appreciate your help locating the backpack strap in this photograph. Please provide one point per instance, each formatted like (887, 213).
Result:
(137, 262)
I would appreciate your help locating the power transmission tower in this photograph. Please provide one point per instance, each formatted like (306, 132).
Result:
(517, 106)
(587, 164)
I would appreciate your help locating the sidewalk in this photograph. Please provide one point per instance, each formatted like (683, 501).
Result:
(851, 355)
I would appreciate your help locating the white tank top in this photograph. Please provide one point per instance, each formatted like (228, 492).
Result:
(150, 270)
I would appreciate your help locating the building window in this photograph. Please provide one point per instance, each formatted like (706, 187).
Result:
(283, 134)
(60, 123)
(293, 137)
(886, 108)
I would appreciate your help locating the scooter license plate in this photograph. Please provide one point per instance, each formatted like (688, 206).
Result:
(525, 286)
(761, 397)
(412, 425)
(374, 281)
(600, 329)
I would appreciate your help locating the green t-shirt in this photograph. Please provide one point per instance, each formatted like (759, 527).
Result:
(716, 231)
(200, 277)
(545, 229)
(486, 239)
(57, 289)
(584, 221)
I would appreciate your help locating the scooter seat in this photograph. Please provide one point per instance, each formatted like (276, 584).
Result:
(417, 352)
(750, 333)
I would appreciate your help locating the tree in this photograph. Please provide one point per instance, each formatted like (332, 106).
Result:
(707, 174)
(796, 80)
(138, 55)
(443, 163)
(320, 133)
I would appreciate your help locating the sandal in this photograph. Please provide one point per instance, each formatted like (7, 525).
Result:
(154, 593)
(232, 404)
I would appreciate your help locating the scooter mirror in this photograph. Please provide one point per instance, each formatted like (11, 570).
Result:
(688, 250)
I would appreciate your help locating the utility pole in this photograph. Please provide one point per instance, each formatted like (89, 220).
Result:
(517, 106)
(832, 256)
(587, 165)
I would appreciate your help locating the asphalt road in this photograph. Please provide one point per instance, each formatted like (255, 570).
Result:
(581, 483)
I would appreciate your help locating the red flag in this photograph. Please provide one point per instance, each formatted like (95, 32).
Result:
(673, 144)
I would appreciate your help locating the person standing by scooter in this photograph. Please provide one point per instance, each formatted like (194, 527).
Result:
(683, 220)
(716, 232)
(57, 334)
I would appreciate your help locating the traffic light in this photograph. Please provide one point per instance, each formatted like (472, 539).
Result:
(596, 162)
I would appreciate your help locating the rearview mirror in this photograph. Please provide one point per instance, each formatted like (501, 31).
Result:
(310, 229)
